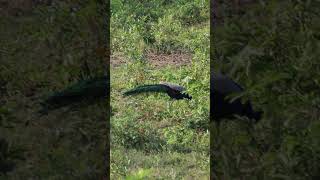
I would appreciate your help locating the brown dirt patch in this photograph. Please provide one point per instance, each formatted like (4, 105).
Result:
(116, 60)
(173, 59)
(157, 59)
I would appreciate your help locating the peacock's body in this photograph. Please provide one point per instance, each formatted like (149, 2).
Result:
(89, 89)
(221, 87)
(173, 90)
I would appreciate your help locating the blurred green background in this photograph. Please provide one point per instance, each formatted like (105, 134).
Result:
(46, 46)
(272, 49)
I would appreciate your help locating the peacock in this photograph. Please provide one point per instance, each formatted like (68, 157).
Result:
(221, 87)
(172, 90)
(89, 90)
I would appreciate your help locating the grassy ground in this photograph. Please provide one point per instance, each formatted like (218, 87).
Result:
(153, 136)
(44, 48)
(272, 49)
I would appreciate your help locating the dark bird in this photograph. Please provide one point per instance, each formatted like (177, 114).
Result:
(89, 90)
(173, 90)
(221, 86)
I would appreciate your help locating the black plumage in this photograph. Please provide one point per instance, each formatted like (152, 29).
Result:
(221, 86)
(89, 90)
(173, 90)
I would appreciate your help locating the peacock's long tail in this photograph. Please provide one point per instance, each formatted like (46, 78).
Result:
(90, 89)
(146, 88)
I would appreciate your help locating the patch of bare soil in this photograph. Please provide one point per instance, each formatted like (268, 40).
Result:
(173, 59)
(157, 59)
(116, 60)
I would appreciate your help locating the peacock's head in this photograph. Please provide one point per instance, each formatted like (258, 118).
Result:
(187, 96)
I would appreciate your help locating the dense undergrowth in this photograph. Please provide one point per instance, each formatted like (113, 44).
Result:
(272, 48)
(45, 47)
(153, 136)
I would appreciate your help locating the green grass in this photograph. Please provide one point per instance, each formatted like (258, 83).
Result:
(151, 127)
(153, 136)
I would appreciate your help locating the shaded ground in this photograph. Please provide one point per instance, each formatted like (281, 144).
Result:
(229, 8)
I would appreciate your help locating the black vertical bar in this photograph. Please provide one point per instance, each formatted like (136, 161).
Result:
(212, 23)
(104, 8)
